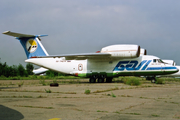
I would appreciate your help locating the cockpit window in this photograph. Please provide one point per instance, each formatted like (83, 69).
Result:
(160, 61)
(157, 61)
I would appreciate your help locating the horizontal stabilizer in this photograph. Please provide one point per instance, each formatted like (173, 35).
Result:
(19, 35)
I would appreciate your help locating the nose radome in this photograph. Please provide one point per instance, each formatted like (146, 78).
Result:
(177, 69)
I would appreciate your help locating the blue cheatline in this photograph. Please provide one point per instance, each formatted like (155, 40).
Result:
(161, 68)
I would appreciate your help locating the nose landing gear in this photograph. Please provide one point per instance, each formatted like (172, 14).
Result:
(153, 79)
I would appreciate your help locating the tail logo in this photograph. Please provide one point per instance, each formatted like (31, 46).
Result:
(31, 45)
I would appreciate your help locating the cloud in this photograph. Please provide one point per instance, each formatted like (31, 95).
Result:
(87, 26)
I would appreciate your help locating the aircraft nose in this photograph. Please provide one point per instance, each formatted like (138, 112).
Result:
(174, 69)
(177, 70)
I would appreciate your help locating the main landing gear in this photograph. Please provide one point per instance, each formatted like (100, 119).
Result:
(100, 79)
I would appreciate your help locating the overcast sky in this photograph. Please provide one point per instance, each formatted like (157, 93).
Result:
(83, 26)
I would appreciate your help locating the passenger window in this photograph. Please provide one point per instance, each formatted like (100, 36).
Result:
(154, 60)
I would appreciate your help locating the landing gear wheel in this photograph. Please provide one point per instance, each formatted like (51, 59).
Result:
(92, 80)
(100, 80)
(109, 80)
(153, 80)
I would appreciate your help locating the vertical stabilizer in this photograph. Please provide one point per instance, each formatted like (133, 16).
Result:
(31, 44)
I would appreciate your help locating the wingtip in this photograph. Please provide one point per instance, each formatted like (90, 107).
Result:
(6, 32)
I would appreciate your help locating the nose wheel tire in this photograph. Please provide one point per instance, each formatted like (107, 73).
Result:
(153, 80)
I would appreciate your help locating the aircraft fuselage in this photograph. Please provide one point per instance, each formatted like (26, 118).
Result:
(140, 66)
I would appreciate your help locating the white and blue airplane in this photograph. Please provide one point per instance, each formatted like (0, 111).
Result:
(112, 61)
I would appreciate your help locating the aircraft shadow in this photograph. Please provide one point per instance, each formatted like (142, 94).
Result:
(9, 114)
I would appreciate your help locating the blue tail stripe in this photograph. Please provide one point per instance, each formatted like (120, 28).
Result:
(37, 52)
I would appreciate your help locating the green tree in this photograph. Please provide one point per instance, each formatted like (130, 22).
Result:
(12, 71)
(51, 73)
(6, 71)
(21, 70)
(15, 70)
(1, 69)
(29, 68)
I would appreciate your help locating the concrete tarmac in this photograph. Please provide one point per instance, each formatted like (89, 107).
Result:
(107, 101)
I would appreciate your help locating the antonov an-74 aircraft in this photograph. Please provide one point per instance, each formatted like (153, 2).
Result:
(111, 61)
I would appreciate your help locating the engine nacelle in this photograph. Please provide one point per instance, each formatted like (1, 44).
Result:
(122, 51)
(143, 52)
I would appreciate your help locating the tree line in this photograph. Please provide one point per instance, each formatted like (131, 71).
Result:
(12, 71)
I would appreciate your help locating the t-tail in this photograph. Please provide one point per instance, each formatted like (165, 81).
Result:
(32, 47)
(31, 44)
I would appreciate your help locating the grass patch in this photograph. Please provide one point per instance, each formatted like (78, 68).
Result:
(37, 77)
(174, 102)
(133, 113)
(101, 111)
(48, 91)
(117, 112)
(40, 96)
(33, 106)
(99, 91)
(20, 84)
(43, 82)
(16, 96)
(155, 115)
(132, 81)
(170, 79)
(159, 81)
(87, 91)
(144, 97)
(112, 94)
(68, 92)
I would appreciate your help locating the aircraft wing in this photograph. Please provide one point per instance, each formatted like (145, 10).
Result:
(81, 56)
